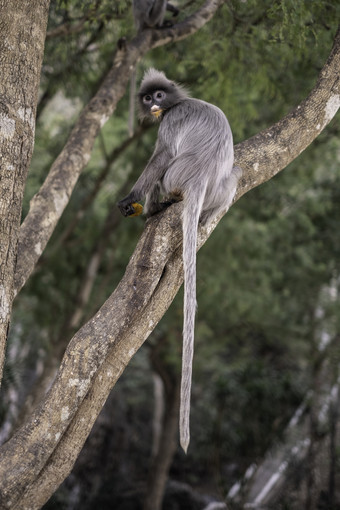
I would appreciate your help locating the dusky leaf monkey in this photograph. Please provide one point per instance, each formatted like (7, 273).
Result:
(147, 14)
(192, 161)
(150, 13)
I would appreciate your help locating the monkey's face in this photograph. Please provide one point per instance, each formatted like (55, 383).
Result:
(157, 94)
(154, 103)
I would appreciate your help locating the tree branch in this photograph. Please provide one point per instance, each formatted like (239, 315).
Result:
(284, 141)
(49, 203)
(87, 202)
(71, 27)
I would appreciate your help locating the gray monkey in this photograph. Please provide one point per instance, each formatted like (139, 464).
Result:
(193, 162)
(150, 13)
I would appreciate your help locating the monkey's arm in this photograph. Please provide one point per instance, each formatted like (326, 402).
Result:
(147, 182)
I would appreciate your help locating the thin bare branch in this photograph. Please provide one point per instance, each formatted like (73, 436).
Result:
(71, 27)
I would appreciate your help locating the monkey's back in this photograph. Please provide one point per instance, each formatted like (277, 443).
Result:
(199, 139)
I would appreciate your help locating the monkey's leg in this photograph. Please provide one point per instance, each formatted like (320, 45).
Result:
(172, 198)
(227, 190)
(156, 13)
(167, 23)
(152, 205)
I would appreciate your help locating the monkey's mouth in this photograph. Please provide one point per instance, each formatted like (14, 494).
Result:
(156, 111)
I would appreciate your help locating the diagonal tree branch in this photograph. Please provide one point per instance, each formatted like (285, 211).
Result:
(49, 203)
(286, 139)
(44, 449)
(87, 202)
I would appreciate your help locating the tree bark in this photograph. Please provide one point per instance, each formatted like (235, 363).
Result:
(41, 454)
(23, 29)
(86, 282)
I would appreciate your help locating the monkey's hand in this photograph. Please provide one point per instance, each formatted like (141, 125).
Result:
(138, 208)
(157, 207)
(129, 209)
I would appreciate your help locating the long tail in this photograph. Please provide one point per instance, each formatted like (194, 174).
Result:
(191, 216)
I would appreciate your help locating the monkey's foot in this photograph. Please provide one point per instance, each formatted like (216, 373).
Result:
(167, 203)
(161, 206)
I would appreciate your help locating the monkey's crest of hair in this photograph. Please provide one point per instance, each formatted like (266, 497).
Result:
(156, 80)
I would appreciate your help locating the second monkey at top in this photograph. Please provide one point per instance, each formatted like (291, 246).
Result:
(150, 13)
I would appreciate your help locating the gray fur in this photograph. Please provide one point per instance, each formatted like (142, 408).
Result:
(193, 157)
(150, 13)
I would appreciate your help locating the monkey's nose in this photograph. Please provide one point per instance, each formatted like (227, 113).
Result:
(156, 111)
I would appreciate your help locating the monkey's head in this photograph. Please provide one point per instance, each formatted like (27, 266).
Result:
(157, 94)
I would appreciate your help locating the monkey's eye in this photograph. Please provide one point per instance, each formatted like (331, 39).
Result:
(147, 99)
(159, 95)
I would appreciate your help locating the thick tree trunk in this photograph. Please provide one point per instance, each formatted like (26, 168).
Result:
(23, 30)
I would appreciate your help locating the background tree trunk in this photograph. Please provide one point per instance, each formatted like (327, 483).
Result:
(160, 465)
(23, 30)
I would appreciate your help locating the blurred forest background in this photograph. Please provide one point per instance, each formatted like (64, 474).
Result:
(265, 398)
